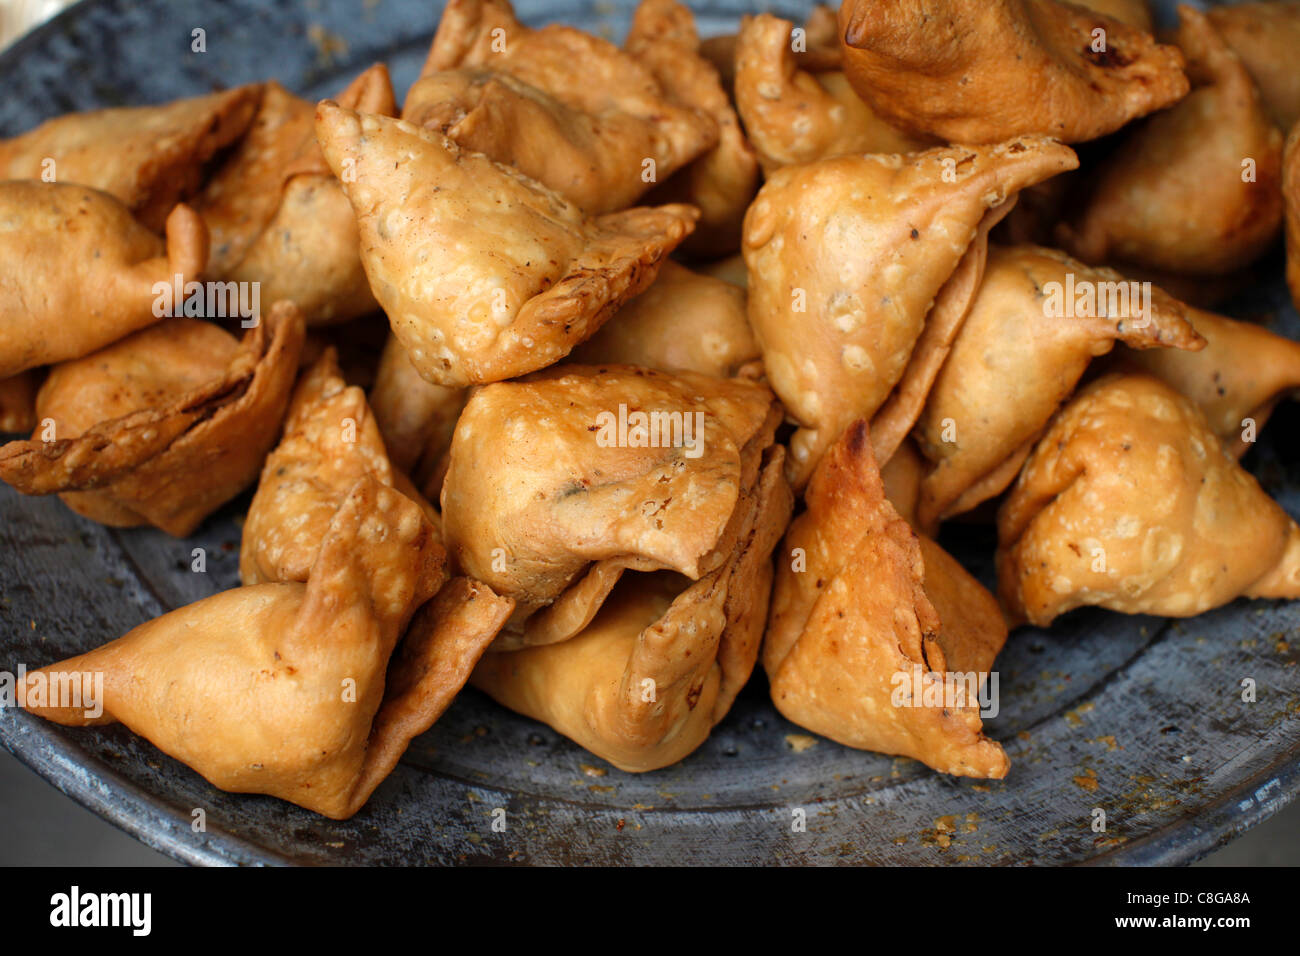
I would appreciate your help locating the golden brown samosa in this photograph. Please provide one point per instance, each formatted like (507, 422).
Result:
(1237, 379)
(148, 157)
(822, 39)
(846, 256)
(894, 419)
(243, 193)
(279, 218)
(685, 320)
(281, 688)
(564, 107)
(77, 272)
(722, 181)
(162, 427)
(416, 418)
(817, 50)
(1266, 37)
(559, 483)
(793, 115)
(446, 638)
(643, 683)
(1037, 321)
(330, 442)
(902, 477)
(1129, 501)
(1195, 189)
(484, 274)
(864, 612)
(982, 71)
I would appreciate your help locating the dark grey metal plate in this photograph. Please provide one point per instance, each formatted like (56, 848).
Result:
(1137, 716)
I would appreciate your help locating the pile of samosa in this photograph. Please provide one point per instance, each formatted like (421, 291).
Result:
(594, 376)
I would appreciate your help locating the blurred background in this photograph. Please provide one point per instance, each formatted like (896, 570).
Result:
(40, 826)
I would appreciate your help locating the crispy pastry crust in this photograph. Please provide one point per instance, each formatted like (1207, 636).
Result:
(163, 427)
(722, 182)
(1242, 373)
(330, 442)
(279, 218)
(280, 688)
(981, 71)
(1130, 502)
(1177, 195)
(484, 273)
(77, 272)
(846, 257)
(645, 681)
(860, 599)
(148, 157)
(566, 108)
(543, 503)
(1266, 37)
(1013, 364)
(795, 115)
(685, 321)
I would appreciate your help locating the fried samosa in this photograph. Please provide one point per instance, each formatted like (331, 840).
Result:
(902, 477)
(1026, 342)
(1266, 36)
(982, 71)
(894, 419)
(1196, 189)
(447, 637)
(280, 688)
(1237, 379)
(564, 107)
(796, 116)
(1130, 502)
(817, 50)
(244, 192)
(645, 681)
(279, 218)
(330, 442)
(484, 274)
(721, 182)
(559, 483)
(864, 611)
(148, 157)
(77, 272)
(163, 427)
(415, 417)
(685, 321)
(846, 256)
